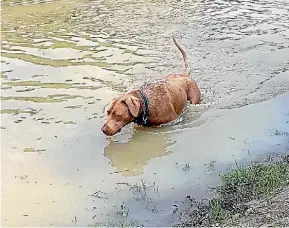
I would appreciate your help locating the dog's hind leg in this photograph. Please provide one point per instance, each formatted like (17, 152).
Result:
(194, 93)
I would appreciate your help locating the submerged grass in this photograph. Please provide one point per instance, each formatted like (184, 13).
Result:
(232, 199)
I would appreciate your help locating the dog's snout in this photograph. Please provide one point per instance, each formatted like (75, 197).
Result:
(108, 130)
(104, 129)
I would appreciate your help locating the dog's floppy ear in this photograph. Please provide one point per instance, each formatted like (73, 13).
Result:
(133, 104)
(113, 101)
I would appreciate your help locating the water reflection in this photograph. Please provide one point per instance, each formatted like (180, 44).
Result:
(130, 158)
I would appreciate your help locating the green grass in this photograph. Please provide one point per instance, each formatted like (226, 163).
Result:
(218, 213)
(244, 184)
(238, 187)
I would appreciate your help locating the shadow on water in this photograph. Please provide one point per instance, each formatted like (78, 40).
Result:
(63, 61)
(131, 158)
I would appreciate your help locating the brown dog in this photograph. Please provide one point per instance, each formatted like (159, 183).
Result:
(155, 103)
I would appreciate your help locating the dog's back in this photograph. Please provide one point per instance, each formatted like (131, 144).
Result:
(169, 96)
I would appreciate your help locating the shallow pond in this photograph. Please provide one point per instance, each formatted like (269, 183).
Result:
(63, 61)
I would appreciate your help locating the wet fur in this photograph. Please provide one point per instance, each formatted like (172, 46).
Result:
(167, 99)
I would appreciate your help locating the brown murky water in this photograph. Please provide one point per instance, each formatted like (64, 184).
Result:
(63, 61)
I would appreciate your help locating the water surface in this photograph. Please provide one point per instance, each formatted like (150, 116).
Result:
(63, 61)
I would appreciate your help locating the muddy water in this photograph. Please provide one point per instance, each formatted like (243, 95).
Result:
(63, 61)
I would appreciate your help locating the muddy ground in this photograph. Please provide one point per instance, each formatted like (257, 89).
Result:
(268, 212)
(252, 195)
(63, 61)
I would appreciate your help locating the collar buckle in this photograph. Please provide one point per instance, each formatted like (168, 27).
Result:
(144, 118)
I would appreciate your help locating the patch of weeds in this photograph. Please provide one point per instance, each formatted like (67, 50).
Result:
(238, 187)
(195, 213)
(218, 213)
(100, 195)
(248, 183)
(244, 184)
(186, 167)
(141, 193)
(120, 217)
(140, 189)
(119, 223)
(210, 167)
(284, 133)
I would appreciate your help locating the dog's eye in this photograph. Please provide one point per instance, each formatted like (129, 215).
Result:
(116, 114)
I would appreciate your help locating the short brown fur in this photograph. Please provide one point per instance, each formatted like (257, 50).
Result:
(167, 99)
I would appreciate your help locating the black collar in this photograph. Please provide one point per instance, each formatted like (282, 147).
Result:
(142, 119)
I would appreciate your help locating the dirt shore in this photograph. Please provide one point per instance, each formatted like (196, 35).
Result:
(255, 195)
(267, 212)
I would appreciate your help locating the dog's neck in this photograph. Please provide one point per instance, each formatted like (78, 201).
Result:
(142, 118)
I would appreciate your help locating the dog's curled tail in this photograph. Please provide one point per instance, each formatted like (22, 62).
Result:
(185, 57)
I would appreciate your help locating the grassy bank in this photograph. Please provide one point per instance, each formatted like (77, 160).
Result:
(241, 191)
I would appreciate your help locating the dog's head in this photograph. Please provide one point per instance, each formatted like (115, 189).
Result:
(120, 113)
